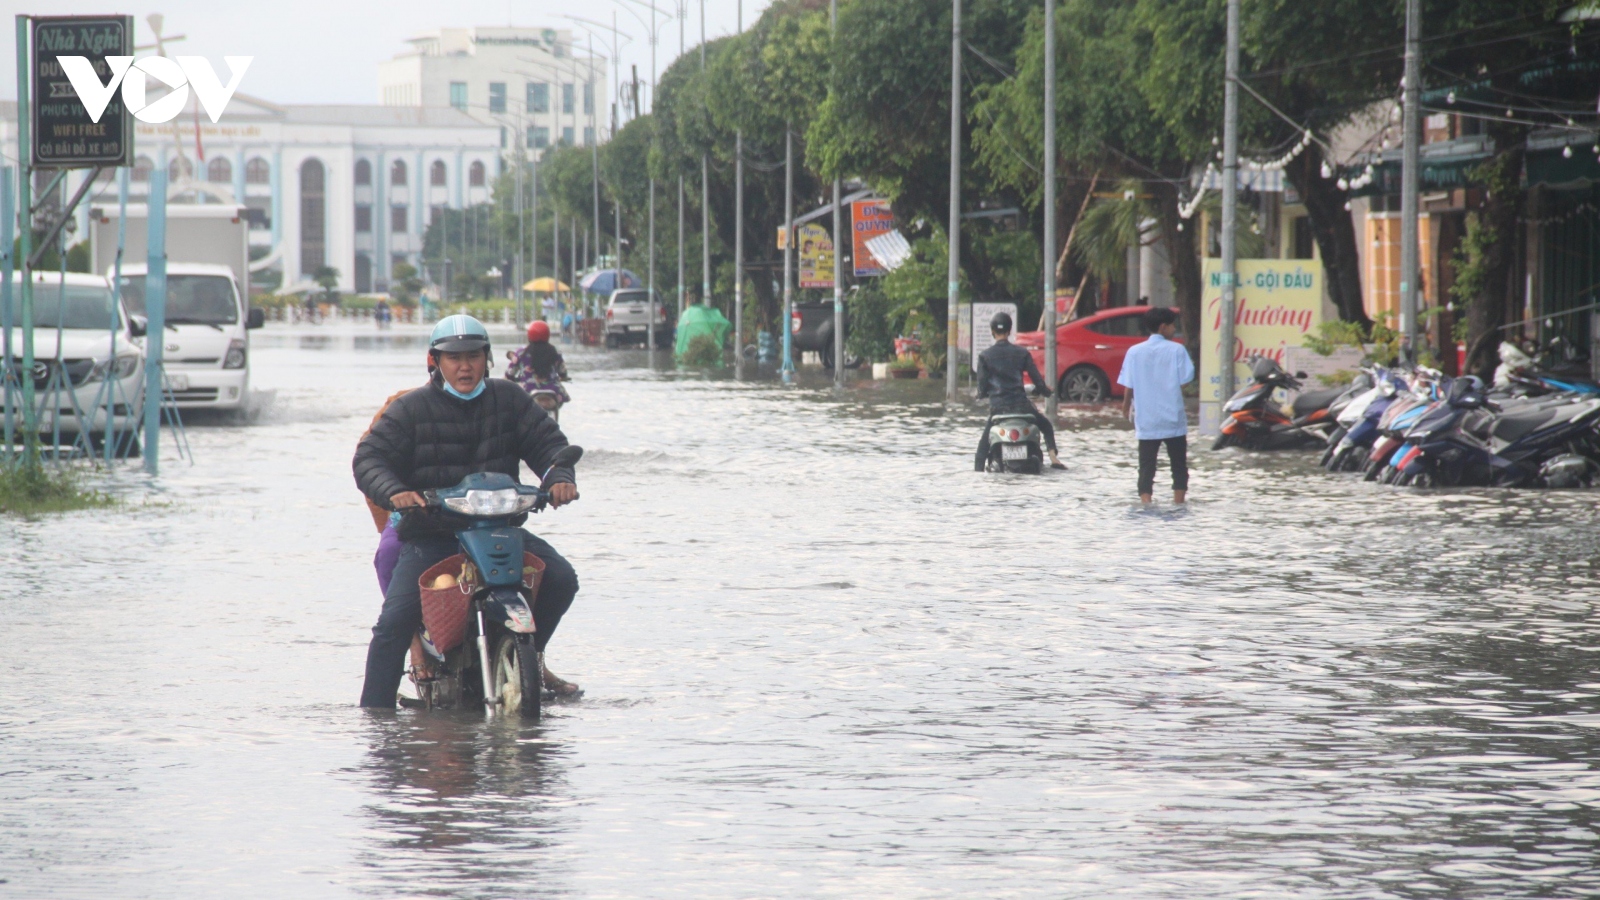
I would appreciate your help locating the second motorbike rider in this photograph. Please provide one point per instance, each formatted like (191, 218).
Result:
(459, 423)
(1000, 371)
(539, 365)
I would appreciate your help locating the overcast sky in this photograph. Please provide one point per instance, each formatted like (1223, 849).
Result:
(327, 51)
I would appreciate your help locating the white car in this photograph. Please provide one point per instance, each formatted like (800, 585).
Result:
(100, 361)
(206, 349)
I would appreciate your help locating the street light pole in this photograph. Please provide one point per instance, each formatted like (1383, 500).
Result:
(738, 239)
(705, 188)
(1052, 404)
(683, 16)
(838, 248)
(788, 251)
(953, 285)
(1230, 200)
(1411, 124)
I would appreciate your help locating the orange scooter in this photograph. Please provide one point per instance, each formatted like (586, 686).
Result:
(1256, 423)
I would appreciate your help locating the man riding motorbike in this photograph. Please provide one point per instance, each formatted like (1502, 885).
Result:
(459, 423)
(999, 374)
(539, 366)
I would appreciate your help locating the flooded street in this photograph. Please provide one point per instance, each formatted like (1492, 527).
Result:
(821, 657)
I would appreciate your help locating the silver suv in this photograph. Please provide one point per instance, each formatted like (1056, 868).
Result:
(627, 319)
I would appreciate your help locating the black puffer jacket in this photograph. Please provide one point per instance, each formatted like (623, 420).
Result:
(429, 439)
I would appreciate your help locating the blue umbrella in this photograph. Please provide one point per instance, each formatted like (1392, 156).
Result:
(607, 280)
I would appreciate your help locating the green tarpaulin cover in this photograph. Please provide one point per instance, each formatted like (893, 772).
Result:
(697, 320)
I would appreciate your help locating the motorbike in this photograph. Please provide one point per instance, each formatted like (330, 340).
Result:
(1546, 442)
(549, 399)
(476, 642)
(1255, 422)
(1014, 444)
(1357, 421)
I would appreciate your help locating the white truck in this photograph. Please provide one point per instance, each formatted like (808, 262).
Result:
(206, 349)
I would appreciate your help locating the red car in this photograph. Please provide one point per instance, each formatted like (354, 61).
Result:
(1089, 352)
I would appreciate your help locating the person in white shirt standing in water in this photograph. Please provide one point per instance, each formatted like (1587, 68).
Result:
(1155, 372)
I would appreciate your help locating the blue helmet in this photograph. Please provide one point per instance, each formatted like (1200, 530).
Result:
(458, 334)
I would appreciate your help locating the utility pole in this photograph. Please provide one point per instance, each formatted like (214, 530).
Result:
(953, 287)
(738, 239)
(683, 17)
(705, 188)
(1411, 124)
(592, 101)
(516, 259)
(788, 251)
(838, 248)
(1052, 404)
(155, 307)
(1230, 199)
(30, 409)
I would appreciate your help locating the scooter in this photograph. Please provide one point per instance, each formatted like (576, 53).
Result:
(1255, 422)
(476, 640)
(1014, 444)
(1553, 442)
(549, 399)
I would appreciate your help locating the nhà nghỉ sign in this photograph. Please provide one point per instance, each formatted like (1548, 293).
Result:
(65, 133)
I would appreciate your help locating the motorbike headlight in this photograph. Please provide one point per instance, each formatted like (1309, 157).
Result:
(491, 503)
(235, 357)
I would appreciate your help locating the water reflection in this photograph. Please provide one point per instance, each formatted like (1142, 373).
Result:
(460, 803)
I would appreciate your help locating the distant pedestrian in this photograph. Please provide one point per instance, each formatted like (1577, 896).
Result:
(1155, 372)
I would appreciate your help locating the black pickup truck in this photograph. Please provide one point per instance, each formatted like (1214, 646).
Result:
(811, 329)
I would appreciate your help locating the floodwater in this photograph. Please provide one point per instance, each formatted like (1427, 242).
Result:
(821, 657)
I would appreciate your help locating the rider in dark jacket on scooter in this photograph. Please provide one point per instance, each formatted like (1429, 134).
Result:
(459, 423)
(999, 373)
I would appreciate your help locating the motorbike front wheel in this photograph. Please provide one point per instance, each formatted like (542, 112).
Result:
(516, 676)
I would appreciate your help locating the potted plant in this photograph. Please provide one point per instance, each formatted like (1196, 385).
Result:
(905, 367)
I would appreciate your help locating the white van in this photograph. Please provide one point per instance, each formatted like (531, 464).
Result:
(99, 357)
(206, 350)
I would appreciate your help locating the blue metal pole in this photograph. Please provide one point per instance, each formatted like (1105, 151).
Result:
(155, 305)
(116, 311)
(30, 415)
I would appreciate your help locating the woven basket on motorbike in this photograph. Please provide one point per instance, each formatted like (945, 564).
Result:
(445, 610)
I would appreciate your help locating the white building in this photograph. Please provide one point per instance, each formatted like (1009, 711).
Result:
(351, 187)
(522, 79)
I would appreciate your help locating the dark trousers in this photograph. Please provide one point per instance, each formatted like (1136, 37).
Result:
(1039, 419)
(1177, 454)
(402, 609)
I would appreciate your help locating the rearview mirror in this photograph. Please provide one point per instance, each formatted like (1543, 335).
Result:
(255, 318)
(1300, 375)
(568, 456)
(138, 325)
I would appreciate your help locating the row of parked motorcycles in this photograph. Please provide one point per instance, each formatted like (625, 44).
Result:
(1420, 427)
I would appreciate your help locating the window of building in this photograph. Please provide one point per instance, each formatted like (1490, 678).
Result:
(363, 273)
(397, 173)
(568, 97)
(502, 137)
(588, 133)
(497, 96)
(436, 173)
(458, 95)
(142, 167)
(398, 219)
(475, 175)
(566, 137)
(397, 260)
(588, 96)
(219, 170)
(179, 168)
(363, 218)
(256, 171)
(313, 227)
(538, 136)
(435, 213)
(363, 172)
(538, 97)
(258, 211)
